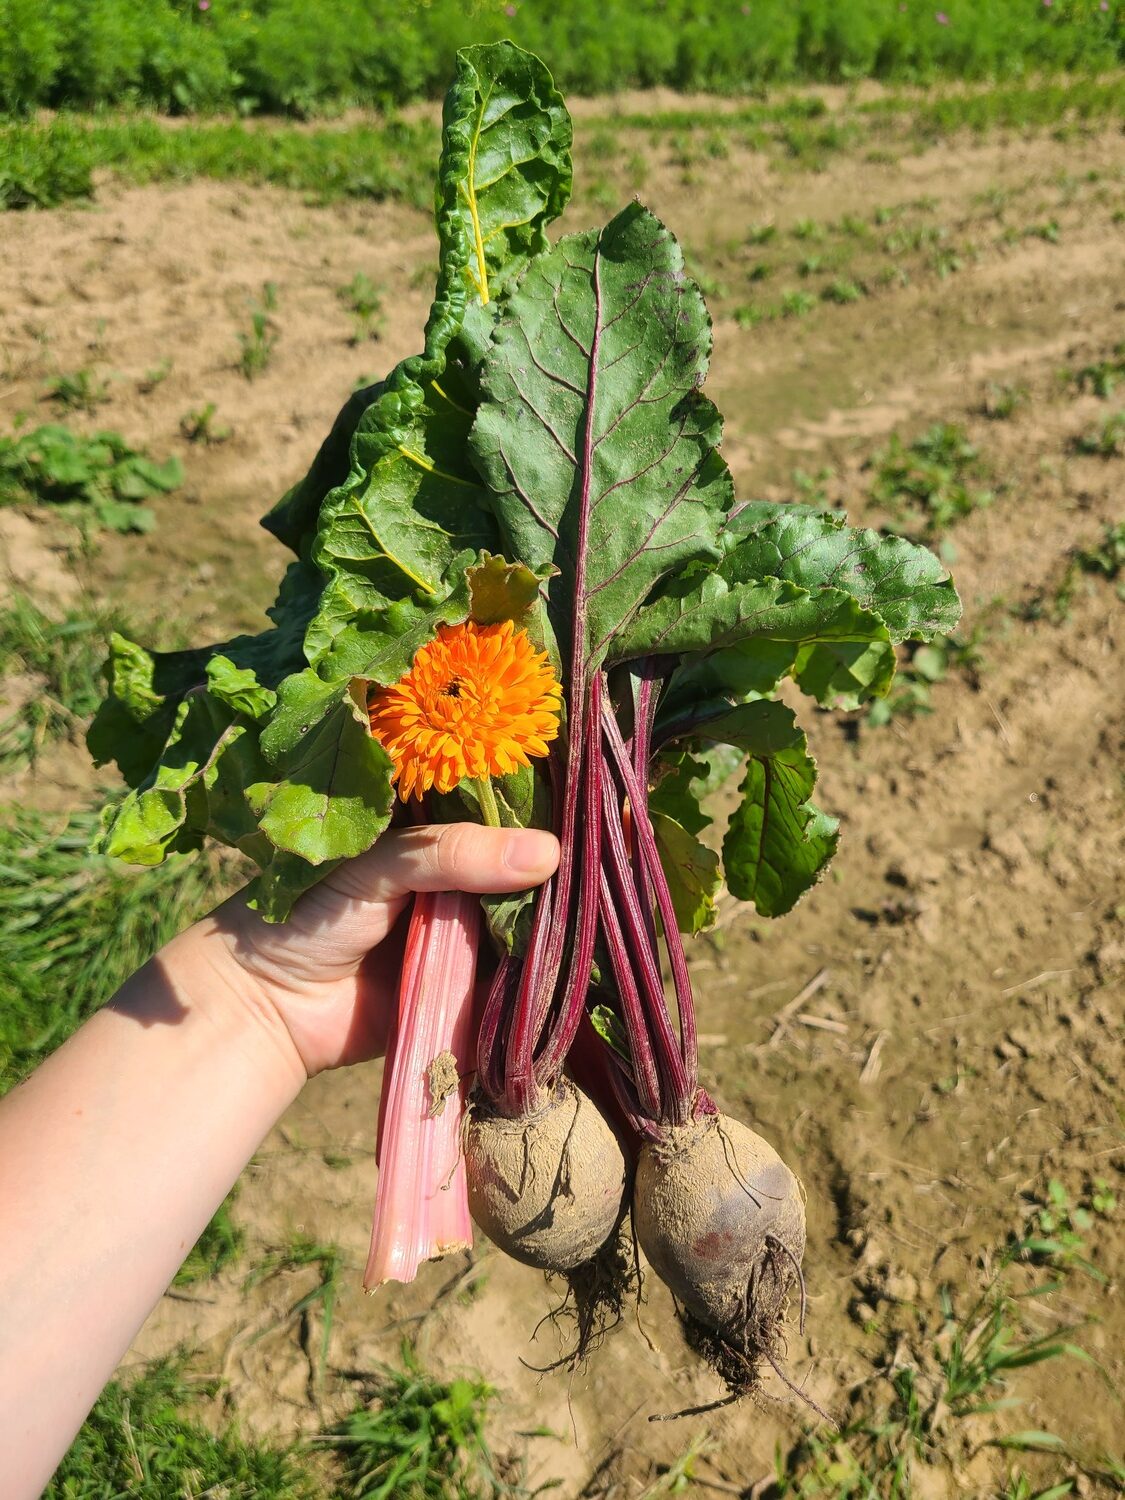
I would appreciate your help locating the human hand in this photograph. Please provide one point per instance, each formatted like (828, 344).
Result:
(322, 974)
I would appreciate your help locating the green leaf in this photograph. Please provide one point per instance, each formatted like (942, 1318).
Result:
(294, 517)
(596, 445)
(682, 779)
(778, 842)
(610, 1027)
(380, 644)
(506, 170)
(332, 794)
(1044, 1441)
(753, 633)
(162, 816)
(901, 582)
(692, 871)
(238, 688)
(412, 503)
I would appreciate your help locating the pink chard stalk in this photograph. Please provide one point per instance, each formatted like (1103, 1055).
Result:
(422, 1202)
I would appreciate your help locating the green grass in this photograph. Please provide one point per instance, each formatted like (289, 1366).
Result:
(257, 343)
(1102, 375)
(61, 661)
(414, 1438)
(47, 164)
(327, 1261)
(142, 1441)
(75, 925)
(419, 1439)
(1107, 440)
(1104, 558)
(907, 1421)
(220, 1245)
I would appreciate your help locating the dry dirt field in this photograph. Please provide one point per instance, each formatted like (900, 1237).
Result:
(935, 1033)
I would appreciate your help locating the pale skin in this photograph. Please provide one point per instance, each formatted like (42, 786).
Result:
(116, 1152)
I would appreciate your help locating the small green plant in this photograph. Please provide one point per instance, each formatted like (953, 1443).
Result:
(1105, 559)
(923, 669)
(154, 377)
(1049, 231)
(419, 1438)
(1002, 401)
(97, 481)
(930, 475)
(964, 1373)
(761, 234)
(750, 314)
(842, 291)
(200, 426)
(1106, 441)
(219, 1245)
(256, 346)
(795, 304)
(1055, 1230)
(364, 301)
(80, 391)
(1102, 375)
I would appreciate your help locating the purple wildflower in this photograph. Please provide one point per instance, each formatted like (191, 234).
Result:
(941, 18)
(509, 10)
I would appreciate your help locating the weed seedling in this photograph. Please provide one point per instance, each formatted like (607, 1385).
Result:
(219, 1244)
(841, 291)
(328, 1260)
(364, 301)
(932, 475)
(154, 377)
(81, 390)
(200, 426)
(1055, 1232)
(796, 304)
(61, 661)
(1102, 376)
(1106, 441)
(257, 345)
(96, 481)
(419, 1436)
(1001, 402)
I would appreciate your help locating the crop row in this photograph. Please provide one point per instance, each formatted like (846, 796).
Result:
(308, 56)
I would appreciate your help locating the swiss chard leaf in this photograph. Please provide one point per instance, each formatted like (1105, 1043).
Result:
(506, 173)
(331, 795)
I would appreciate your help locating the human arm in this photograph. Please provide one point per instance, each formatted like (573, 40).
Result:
(115, 1153)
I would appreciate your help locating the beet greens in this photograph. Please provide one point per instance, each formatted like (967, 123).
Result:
(549, 459)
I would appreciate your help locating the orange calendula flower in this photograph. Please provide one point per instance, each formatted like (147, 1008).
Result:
(478, 701)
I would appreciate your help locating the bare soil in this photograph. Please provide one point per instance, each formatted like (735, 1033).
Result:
(936, 1030)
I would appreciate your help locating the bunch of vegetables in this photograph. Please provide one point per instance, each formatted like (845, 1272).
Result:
(524, 592)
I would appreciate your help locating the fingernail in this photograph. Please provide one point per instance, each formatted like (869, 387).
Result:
(530, 851)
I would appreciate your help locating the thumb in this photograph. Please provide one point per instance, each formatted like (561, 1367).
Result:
(334, 925)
